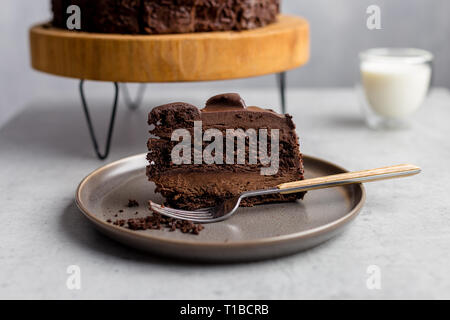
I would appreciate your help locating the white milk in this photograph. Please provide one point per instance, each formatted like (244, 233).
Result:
(395, 89)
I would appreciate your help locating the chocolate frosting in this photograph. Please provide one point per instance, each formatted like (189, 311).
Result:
(225, 101)
(168, 16)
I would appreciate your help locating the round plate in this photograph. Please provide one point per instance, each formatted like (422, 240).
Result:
(260, 232)
(280, 46)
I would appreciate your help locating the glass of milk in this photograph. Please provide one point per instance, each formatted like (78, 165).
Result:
(394, 84)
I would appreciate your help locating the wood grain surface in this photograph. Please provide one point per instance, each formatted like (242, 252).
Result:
(278, 47)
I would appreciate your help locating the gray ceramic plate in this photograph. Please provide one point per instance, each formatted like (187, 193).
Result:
(256, 233)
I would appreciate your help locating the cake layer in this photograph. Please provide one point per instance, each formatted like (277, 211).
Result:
(167, 16)
(192, 191)
(160, 158)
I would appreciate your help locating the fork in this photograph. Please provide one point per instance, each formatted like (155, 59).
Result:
(227, 208)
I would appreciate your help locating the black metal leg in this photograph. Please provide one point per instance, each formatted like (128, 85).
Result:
(133, 105)
(100, 155)
(282, 89)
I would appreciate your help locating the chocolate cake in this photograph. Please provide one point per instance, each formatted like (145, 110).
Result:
(167, 16)
(197, 158)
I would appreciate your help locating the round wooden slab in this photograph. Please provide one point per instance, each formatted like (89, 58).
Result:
(278, 47)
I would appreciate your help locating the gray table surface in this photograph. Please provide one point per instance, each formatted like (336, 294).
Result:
(404, 228)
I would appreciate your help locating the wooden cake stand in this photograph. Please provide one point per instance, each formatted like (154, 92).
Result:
(276, 48)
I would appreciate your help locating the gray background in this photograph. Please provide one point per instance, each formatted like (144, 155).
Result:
(338, 32)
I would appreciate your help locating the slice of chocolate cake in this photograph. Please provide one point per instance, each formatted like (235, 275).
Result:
(200, 157)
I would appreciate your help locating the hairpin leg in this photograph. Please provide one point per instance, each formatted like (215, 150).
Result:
(133, 105)
(100, 155)
(282, 89)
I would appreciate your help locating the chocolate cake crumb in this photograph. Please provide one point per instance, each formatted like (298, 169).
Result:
(119, 223)
(132, 203)
(159, 222)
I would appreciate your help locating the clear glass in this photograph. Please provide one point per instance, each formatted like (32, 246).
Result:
(393, 84)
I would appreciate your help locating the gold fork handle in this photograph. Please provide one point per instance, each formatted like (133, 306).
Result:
(402, 170)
